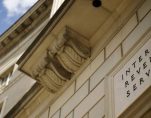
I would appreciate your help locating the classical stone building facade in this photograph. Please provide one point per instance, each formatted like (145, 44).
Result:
(70, 59)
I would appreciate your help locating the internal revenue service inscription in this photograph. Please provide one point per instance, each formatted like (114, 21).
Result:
(133, 79)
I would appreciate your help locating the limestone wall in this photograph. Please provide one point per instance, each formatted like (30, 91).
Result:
(87, 96)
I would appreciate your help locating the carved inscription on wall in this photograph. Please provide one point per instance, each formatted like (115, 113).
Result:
(133, 79)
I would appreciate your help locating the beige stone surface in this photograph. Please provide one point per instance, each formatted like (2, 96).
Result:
(45, 114)
(114, 23)
(70, 115)
(87, 13)
(89, 101)
(74, 100)
(86, 116)
(105, 68)
(137, 33)
(129, 86)
(121, 35)
(144, 9)
(43, 106)
(90, 70)
(98, 110)
(111, 5)
(62, 99)
(36, 102)
(56, 115)
(22, 114)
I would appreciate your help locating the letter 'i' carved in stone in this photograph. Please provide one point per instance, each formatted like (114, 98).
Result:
(122, 77)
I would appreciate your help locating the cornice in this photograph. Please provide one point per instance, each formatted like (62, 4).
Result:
(25, 25)
(24, 101)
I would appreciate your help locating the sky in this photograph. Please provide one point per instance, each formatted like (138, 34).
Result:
(11, 11)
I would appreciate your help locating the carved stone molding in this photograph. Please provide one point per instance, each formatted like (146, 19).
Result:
(61, 60)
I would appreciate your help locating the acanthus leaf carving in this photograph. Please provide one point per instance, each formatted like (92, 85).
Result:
(62, 60)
